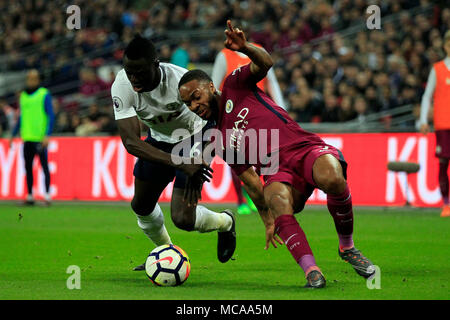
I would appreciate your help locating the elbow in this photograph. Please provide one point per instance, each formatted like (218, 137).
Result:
(131, 146)
(268, 63)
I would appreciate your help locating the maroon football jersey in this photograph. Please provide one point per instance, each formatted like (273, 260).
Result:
(254, 127)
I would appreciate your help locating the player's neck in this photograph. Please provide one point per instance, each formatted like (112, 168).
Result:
(30, 90)
(157, 80)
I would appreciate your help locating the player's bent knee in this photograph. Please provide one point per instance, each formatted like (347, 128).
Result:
(279, 204)
(142, 208)
(328, 175)
(334, 184)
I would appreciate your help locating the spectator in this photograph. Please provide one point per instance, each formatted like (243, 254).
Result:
(7, 117)
(361, 109)
(86, 127)
(62, 123)
(373, 103)
(302, 36)
(91, 84)
(180, 56)
(165, 53)
(94, 113)
(346, 110)
(4, 126)
(331, 111)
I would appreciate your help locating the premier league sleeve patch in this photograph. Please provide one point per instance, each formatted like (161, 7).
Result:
(118, 104)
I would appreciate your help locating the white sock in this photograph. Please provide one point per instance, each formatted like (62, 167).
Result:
(153, 226)
(207, 220)
(47, 197)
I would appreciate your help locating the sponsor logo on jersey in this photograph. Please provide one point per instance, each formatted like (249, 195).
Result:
(118, 104)
(238, 129)
(229, 106)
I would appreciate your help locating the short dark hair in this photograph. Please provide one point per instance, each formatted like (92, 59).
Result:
(140, 47)
(195, 74)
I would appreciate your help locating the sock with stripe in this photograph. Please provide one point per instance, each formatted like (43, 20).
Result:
(287, 227)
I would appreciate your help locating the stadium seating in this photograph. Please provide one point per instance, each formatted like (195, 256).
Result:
(330, 67)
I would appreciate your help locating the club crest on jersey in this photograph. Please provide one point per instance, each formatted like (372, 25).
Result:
(229, 106)
(118, 105)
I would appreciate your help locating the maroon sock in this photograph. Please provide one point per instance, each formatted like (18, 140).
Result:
(287, 227)
(443, 181)
(237, 187)
(340, 207)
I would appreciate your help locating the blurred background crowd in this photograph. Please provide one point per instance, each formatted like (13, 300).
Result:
(330, 66)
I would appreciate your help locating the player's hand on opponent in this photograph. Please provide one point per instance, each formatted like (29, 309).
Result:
(198, 167)
(193, 191)
(45, 142)
(235, 38)
(197, 175)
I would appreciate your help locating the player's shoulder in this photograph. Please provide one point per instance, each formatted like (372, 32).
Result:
(237, 77)
(121, 78)
(121, 83)
(173, 71)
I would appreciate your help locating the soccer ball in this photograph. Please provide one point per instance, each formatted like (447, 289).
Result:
(167, 265)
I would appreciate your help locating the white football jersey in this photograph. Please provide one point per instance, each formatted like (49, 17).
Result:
(161, 109)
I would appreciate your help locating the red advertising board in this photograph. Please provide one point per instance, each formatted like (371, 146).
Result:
(99, 168)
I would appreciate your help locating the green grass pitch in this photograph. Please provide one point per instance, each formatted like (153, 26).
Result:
(411, 247)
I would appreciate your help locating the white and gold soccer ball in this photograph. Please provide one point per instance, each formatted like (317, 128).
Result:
(168, 265)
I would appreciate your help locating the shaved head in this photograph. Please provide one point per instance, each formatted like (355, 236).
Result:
(33, 78)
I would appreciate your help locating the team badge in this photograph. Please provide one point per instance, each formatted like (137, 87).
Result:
(118, 105)
(229, 106)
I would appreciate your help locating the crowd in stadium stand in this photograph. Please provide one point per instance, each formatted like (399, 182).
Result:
(338, 79)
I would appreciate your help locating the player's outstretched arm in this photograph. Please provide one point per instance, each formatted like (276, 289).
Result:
(254, 188)
(130, 133)
(261, 59)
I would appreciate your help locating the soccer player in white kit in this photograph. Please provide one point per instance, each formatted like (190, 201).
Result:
(147, 90)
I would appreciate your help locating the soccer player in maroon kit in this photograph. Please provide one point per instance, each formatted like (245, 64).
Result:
(305, 161)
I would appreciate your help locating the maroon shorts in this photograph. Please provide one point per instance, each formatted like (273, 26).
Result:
(296, 167)
(443, 144)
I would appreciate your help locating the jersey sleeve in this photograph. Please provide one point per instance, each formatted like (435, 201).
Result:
(427, 97)
(48, 105)
(219, 70)
(241, 77)
(123, 101)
